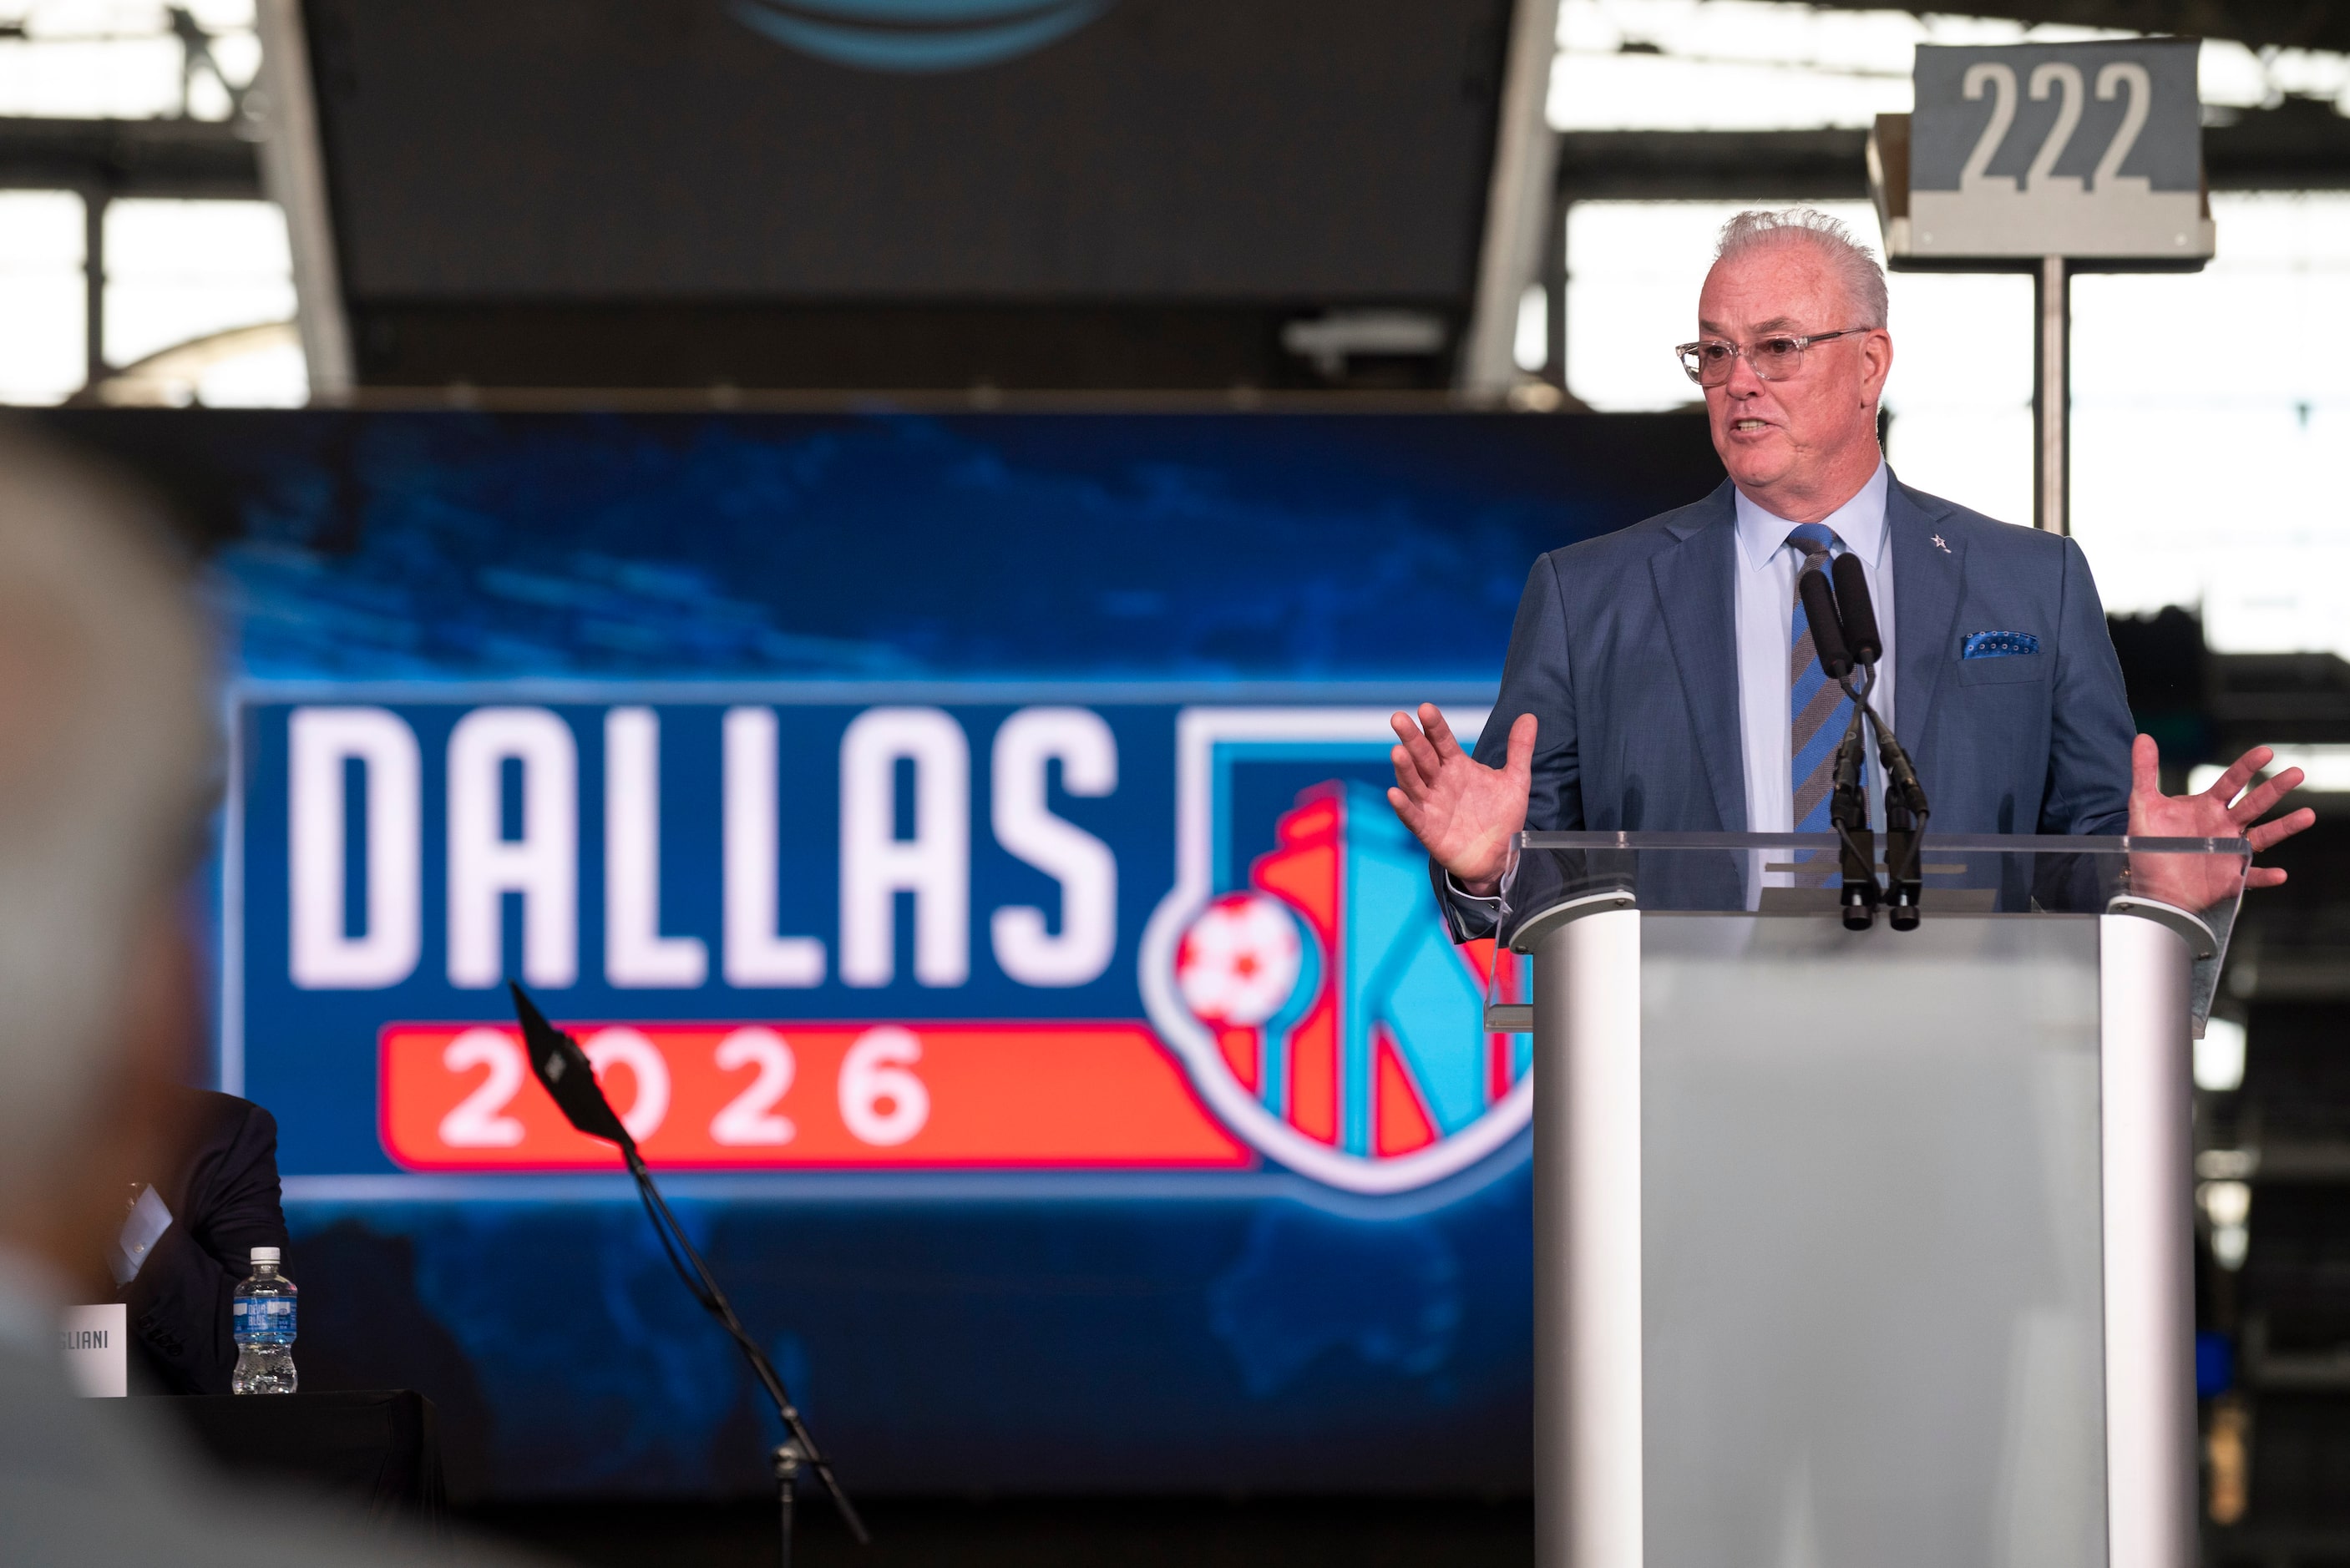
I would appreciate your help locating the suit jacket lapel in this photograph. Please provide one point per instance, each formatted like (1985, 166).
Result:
(1693, 583)
(1928, 569)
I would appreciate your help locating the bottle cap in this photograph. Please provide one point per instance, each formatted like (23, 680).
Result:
(264, 1254)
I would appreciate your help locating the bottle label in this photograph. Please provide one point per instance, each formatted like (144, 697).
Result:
(263, 1319)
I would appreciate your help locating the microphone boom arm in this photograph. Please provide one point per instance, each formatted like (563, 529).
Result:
(1848, 812)
(1905, 798)
(570, 1080)
(1906, 812)
(713, 1300)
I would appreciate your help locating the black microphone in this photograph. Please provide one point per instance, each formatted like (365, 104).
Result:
(1860, 634)
(1859, 614)
(1827, 629)
(1905, 798)
(1848, 803)
(569, 1076)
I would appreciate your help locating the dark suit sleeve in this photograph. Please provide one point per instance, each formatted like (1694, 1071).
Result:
(1535, 680)
(178, 1304)
(2090, 727)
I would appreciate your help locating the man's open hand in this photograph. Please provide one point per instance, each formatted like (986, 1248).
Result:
(1464, 810)
(2217, 813)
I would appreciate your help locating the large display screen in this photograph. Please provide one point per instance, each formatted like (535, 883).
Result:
(961, 845)
(1315, 152)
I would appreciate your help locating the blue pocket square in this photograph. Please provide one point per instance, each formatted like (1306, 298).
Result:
(1999, 644)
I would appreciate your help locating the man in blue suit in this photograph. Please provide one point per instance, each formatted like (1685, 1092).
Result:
(1662, 677)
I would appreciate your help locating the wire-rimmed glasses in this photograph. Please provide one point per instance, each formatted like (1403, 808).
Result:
(1773, 358)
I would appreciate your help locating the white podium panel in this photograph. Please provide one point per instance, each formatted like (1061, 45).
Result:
(1857, 1247)
(1870, 1243)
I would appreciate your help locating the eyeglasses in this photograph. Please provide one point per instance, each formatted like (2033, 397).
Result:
(1774, 358)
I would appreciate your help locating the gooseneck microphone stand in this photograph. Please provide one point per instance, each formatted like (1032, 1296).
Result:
(1848, 803)
(570, 1080)
(1905, 827)
(1905, 798)
(1848, 810)
(1845, 636)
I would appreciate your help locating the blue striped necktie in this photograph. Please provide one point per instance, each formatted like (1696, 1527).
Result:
(1812, 698)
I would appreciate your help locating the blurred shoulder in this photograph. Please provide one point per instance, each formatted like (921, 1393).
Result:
(214, 1117)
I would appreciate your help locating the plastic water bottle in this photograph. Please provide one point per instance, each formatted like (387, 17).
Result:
(262, 1314)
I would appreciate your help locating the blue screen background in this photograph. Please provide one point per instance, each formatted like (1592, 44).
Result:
(1010, 1331)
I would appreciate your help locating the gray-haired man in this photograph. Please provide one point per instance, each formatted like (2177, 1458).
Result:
(1659, 677)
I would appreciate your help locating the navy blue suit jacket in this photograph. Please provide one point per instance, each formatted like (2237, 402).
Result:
(222, 1190)
(1626, 651)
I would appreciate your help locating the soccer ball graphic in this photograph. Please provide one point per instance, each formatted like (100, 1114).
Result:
(1321, 1008)
(1238, 963)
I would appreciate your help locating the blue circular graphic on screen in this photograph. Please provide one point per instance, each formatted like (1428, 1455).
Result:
(918, 36)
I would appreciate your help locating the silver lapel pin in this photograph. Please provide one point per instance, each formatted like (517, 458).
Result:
(1939, 546)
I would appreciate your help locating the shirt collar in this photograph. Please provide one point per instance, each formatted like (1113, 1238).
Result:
(1859, 523)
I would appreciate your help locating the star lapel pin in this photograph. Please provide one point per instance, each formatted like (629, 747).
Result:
(1939, 546)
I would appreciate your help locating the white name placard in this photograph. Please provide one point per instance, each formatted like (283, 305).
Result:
(96, 1343)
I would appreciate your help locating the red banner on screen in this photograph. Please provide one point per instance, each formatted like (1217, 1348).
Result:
(787, 1095)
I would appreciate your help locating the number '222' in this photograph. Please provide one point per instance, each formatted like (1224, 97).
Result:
(2064, 78)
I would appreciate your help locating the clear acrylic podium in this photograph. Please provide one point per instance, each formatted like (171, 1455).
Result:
(1862, 1248)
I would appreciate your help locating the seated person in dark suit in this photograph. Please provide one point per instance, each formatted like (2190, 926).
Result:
(189, 1238)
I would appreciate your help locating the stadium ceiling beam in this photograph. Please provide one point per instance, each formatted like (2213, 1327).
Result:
(181, 158)
(2284, 23)
(2301, 145)
(1712, 165)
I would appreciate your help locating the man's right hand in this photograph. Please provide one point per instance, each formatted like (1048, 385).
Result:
(1464, 810)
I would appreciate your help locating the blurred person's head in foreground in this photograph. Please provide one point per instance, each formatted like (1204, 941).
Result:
(105, 749)
(105, 764)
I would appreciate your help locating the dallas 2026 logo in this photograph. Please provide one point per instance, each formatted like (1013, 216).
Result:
(1319, 1003)
(798, 931)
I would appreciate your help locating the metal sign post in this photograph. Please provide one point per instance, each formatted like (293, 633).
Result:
(2052, 394)
(2053, 159)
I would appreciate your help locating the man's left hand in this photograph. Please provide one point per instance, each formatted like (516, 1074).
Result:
(2218, 811)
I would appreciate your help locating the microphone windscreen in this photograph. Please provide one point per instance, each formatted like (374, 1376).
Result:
(564, 1071)
(1827, 631)
(1859, 613)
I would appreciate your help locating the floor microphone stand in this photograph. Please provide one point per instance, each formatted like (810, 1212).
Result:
(798, 1446)
(569, 1079)
(787, 1478)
